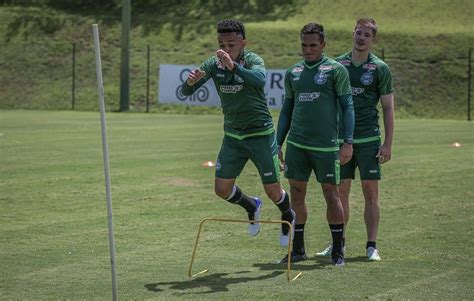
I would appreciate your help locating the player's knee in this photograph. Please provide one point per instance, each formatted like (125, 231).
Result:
(222, 191)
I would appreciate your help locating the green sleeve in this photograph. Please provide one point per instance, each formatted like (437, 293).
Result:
(384, 85)
(348, 117)
(255, 75)
(284, 120)
(342, 81)
(206, 67)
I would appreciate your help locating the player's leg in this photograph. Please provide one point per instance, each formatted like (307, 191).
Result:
(370, 174)
(298, 170)
(263, 152)
(327, 171)
(230, 162)
(371, 216)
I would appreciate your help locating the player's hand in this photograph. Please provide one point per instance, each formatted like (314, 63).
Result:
(194, 76)
(281, 160)
(225, 59)
(345, 153)
(384, 154)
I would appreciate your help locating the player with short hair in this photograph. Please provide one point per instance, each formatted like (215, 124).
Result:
(315, 88)
(239, 76)
(371, 81)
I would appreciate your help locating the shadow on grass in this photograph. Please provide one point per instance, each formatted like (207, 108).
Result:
(214, 282)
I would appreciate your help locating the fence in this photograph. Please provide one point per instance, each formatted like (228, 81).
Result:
(61, 76)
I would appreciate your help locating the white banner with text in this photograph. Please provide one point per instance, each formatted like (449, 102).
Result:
(172, 77)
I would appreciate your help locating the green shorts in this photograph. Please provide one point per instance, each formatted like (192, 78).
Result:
(363, 157)
(300, 162)
(261, 150)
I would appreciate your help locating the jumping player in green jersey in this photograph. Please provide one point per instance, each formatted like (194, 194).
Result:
(315, 88)
(239, 76)
(371, 81)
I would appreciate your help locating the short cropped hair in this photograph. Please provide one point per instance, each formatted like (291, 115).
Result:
(369, 23)
(229, 25)
(313, 28)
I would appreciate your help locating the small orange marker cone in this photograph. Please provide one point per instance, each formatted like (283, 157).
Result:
(456, 144)
(208, 164)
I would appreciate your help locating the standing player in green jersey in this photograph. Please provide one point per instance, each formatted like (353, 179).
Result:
(239, 76)
(371, 81)
(315, 88)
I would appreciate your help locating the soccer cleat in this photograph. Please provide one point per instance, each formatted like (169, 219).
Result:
(328, 251)
(284, 237)
(338, 260)
(254, 228)
(373, 254)
(295, 257)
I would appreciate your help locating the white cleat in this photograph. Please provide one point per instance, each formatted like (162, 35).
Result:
(284, 238)
(254, 228)
(373, 254)
(328, 251)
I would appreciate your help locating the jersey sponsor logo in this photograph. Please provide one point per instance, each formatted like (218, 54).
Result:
(308, 96)
(370, 66)
(220, 75)
(325, 67)
(238, 78)
(297, 69)
(367, 78)
(231, 89)
(320, 78)
(296, 78)
(345, 62)
(357, 91)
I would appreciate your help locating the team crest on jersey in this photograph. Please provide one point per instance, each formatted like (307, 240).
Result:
(367, 78)
(297, 69)
(325, 68)
(370, 66)
(238, 78)
(320, 78)
(345, 62)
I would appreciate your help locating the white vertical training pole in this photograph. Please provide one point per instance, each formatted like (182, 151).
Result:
(105, 151)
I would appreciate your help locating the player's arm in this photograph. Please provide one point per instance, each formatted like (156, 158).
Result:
(386, 99)
(196, 78)
(385, 152)
(255, 75)
(343, 89)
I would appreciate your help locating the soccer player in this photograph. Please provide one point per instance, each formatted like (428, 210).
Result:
(239, 76)
(315, 88)
(371, 81)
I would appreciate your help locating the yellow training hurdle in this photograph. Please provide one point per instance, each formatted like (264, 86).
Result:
(288, 268)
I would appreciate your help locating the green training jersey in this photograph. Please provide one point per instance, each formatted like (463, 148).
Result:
(242, 95)
(369, 81)
(314, 91)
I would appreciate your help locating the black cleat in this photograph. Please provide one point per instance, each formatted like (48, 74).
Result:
(338, 260)
(295, 257)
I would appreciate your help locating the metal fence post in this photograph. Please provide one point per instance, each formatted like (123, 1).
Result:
(148, 79)
(469, 80)
(73, 92)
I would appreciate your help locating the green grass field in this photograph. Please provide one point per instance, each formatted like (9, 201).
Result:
(53, 221)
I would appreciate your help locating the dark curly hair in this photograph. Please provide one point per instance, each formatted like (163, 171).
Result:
(313, 28)
(230, 25)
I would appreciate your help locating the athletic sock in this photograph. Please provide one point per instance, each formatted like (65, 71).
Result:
(298, 241)
(239, 198)
(337, 231)
(284, 203)
(372, 244)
